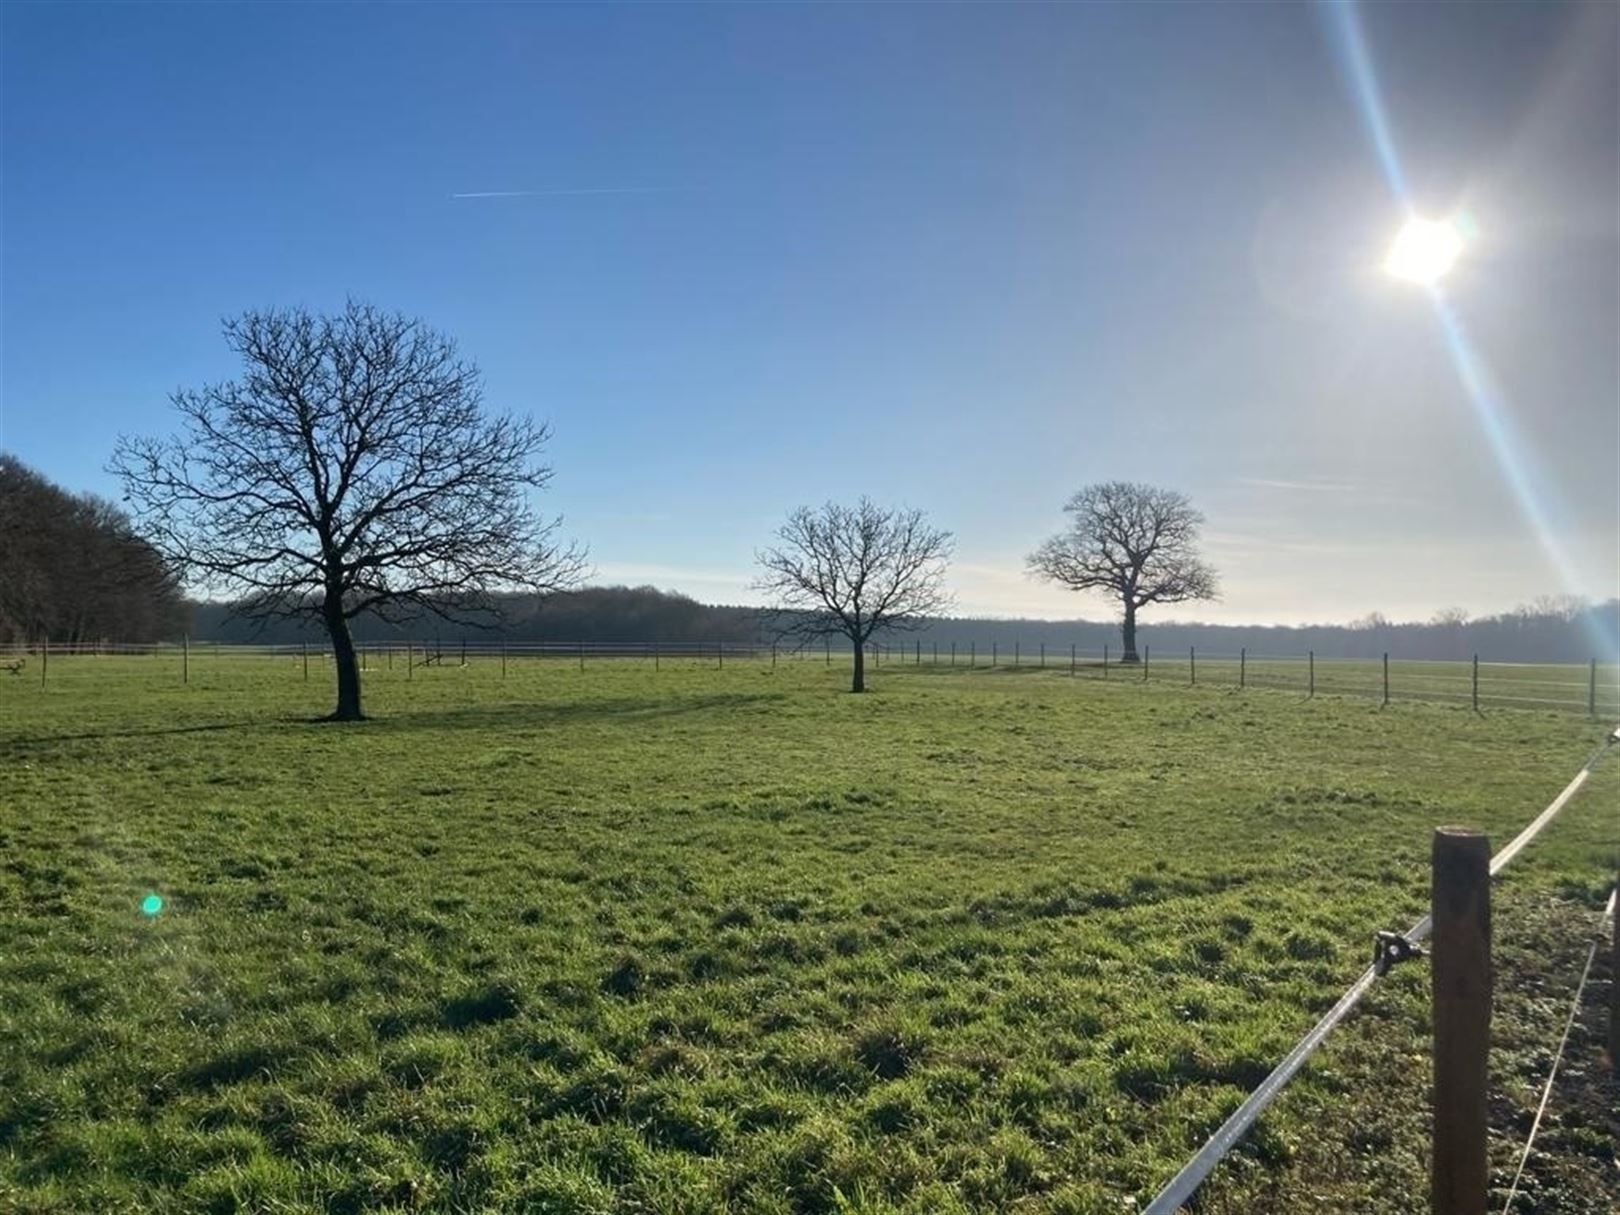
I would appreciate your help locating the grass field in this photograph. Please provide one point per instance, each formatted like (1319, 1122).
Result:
(705, 940)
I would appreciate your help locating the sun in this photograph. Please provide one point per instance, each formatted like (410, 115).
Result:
(1424, 250)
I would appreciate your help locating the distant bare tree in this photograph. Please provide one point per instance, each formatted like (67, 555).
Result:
(855, 571)
(1133, 542)
(352, 469)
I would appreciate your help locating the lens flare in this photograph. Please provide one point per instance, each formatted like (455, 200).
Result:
(152, 905)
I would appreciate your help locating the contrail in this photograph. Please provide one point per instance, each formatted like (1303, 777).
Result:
(559, 193)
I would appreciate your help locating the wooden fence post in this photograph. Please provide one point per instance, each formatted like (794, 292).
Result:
(503, 658)
(1071, 658)
(1476, 683)
(1192, 664)
(1310, 658)
(185, 657)
(973, 653)
(44, 658)
(464, 649)
(1043, 655)
(305, 645)
(1145, 651)
(1105, 660)
(1591, 688)
(1460, 971)
(994, 647)
(1243, 667)
(1386, 677)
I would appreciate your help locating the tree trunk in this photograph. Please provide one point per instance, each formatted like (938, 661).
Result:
(348, 669)
(1129, 631)
(859, 683)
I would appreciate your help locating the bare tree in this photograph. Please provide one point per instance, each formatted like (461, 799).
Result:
(855, 571)
(351, 469)
(1134, 542)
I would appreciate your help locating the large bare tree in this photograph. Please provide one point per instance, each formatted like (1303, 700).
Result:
(352, 468)
(854, 571)
(1134, 542)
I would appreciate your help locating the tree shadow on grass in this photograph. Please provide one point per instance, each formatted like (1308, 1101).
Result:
(466, 717)
(9, 746)
(634, 708)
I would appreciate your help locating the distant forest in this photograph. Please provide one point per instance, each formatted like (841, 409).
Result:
(1550, 630)
(72, 568)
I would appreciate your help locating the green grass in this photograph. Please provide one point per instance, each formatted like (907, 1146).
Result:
(701, 940)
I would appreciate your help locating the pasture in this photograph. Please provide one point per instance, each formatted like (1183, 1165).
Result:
(695, 940)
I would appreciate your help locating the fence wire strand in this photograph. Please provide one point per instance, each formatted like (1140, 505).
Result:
(1558, 1059)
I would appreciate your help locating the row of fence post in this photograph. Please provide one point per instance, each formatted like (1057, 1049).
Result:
(877, 653)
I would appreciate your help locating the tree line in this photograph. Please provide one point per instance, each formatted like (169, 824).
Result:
(73, 568)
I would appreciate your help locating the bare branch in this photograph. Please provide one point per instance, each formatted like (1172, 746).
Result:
(1134, 542)
(854, 572)
(351, 468)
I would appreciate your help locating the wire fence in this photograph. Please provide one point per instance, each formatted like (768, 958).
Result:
(1592, 687)
(1389, 949)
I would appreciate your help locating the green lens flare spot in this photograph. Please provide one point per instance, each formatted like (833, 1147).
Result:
(152, 904)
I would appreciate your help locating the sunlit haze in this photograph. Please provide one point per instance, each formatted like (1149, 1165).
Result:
(964, 258)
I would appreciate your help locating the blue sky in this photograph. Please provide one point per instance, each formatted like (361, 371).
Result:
(964, 257)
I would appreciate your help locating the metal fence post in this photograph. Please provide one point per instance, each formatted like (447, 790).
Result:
(1243, 667)
(1386, 677)
(1145, 651)
(1043, 655)
(185, 657)
(1591, 688)
(1310, 659)
(1105, 660)
(503, 658)
(973, 653)
(305, 645)
(1461, 979)
(1071, 658)
(994, 647)
(1192, 664)
(1476, 683)
(44, 658)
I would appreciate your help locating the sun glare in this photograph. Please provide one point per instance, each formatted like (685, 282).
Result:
(1424, 250)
